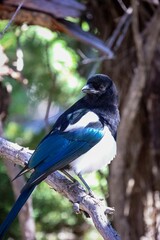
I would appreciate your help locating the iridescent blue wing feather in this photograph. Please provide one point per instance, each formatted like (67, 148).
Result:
(59, 149)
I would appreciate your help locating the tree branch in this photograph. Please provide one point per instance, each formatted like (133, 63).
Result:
(74, 192)
(12, 19)
(51, 14)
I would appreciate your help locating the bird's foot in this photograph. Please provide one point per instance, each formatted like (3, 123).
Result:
(90, 192)
(109, 210)
(74, 184)
(76, 208)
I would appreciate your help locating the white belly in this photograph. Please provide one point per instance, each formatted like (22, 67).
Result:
(96, 158)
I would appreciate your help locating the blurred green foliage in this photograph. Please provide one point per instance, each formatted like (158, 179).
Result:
(50, 68)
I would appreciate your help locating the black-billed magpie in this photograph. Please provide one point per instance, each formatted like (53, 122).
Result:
(83, 140)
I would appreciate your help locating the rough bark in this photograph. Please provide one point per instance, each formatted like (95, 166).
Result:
(131, 170)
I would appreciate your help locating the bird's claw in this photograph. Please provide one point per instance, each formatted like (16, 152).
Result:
(90, 192)
(74, 184)
(76, 208)
(109, 210)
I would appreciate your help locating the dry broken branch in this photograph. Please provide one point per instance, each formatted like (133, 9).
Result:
(52, 14)
(74, 192)
(12, 19)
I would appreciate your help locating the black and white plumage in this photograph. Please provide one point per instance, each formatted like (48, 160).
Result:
(98, 110)
(85, 134)
(83, 139)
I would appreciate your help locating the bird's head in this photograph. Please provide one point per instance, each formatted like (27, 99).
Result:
(100, 88)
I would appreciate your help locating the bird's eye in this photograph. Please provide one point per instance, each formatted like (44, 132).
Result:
(103, 88)
(99, 87)
(96, 86)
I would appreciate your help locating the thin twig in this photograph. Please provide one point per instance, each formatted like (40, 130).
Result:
(123, 6)
(12, 19)
(122, 36)
(123, 21)
(50, 93)
(114, 41)
(136, 34)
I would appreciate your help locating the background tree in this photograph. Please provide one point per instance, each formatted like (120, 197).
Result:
(130, 30)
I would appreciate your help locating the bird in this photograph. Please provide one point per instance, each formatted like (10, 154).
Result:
(82, 140)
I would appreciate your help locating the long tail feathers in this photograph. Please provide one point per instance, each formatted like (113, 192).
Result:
(15, 210)
(24, 170)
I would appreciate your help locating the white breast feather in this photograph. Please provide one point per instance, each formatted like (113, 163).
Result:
(97, 157)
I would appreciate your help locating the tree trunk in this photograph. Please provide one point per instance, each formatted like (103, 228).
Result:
(134, 173)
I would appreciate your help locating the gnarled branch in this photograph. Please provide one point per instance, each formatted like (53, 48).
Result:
(74, 192)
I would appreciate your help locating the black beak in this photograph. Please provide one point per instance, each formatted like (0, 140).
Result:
(89, 89)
